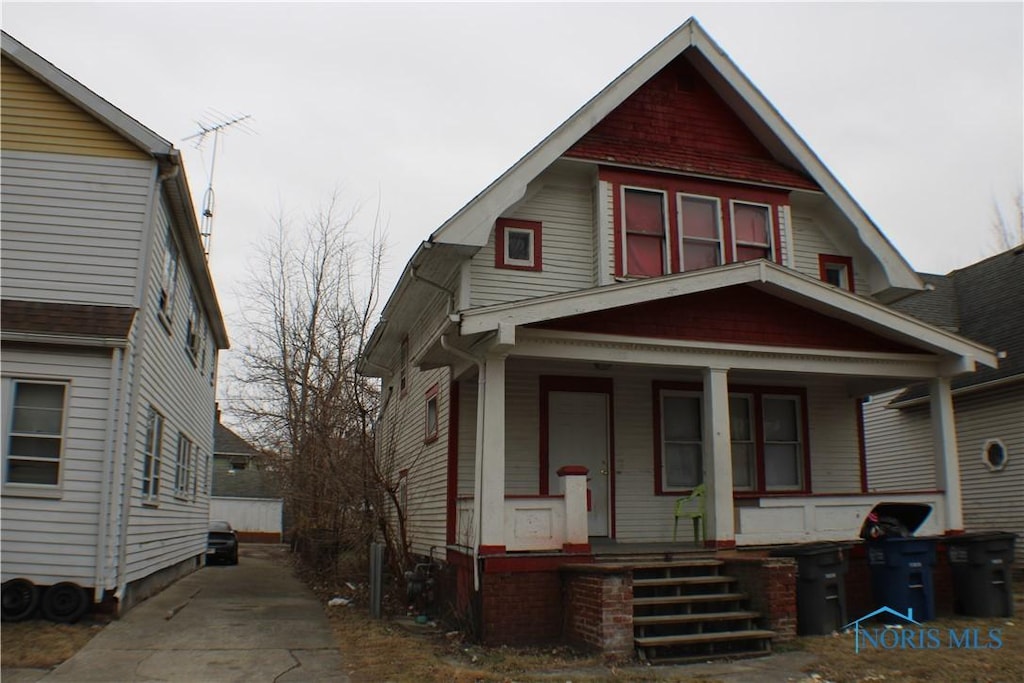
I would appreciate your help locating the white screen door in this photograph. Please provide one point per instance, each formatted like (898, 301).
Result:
(578, 435)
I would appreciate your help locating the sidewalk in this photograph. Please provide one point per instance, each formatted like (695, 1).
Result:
(250, 622)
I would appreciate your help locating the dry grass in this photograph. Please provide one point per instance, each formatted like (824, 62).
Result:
(839, 662)
(39, 644)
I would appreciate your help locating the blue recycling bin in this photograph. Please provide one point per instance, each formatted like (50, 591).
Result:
(901, 564)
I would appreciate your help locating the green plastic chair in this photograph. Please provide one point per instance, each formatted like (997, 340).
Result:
(692, 507)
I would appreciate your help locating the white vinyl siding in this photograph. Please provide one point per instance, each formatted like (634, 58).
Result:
(72, 227)
(900, 454)
(55, 539)
(567, 260)
(810, 240)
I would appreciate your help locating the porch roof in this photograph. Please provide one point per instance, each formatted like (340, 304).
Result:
(764, 275)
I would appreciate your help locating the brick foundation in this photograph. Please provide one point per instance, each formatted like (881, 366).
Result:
(521, 608)
(599, 609)
(771, 584)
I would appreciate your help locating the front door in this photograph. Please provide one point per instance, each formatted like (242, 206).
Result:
(578, 435)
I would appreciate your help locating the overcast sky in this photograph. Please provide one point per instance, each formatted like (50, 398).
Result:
(918, 109)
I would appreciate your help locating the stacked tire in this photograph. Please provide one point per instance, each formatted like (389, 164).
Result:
(63, 602)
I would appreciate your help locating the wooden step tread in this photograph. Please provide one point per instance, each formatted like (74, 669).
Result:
(683, 599)
(682, 580)
(693, 618)
(691, 659)
(679, 564)
(695, 638)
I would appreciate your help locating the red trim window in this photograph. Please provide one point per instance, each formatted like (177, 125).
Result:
(700, 232)
(836, 270)
(644, 233)
(431, 415)
(517, 244)
(679, 438)
(752, 231)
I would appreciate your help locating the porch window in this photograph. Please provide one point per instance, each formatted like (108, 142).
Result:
(752, 231)
(644, 233)
(783, 445)
(744, 447)
(700, 232)
(35, 433)
(682, 441)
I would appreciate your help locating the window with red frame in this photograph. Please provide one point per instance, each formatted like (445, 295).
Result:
(517, 244)
(700, 228)
(836, 270)
(644, 230)
(751, 231)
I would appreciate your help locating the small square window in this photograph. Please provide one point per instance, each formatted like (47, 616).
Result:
(517, 244)
(836, 270)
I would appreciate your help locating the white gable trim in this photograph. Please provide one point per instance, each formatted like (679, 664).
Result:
(472, 224)
(775, 279)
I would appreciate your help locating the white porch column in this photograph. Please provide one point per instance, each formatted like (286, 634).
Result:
(721, 523)
(492, 471)
(947, 459)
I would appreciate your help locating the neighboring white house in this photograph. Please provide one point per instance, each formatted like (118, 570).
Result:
(983, 301)
(110, 334)
(669, 290)
(244, 492)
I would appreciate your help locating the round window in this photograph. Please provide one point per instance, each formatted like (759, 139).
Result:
(994, 454)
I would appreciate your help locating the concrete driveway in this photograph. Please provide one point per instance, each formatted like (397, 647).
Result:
(249, 622)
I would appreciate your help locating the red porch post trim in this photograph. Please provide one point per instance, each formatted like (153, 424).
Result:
(453, 461)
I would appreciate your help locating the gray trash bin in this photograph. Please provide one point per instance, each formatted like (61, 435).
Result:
(982, 586)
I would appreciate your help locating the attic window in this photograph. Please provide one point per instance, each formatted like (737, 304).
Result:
(239, 464)
(836, 270)
(994, 455)
(517, 244)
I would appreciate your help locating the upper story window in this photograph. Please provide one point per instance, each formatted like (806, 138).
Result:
(517, 244)
(403, 366)
(752, 231)
(34, 439)
(169, 275)
(432, 415)
(195, 335)
(836, 270)
(712, 222)
(644, 232)
(700, 231)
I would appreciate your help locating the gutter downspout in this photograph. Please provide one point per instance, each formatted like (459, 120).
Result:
(107, 470)
(479, 455)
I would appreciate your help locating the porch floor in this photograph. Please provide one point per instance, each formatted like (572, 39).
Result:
(611, 550)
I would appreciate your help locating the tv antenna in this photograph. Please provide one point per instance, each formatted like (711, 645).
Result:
(213, 127)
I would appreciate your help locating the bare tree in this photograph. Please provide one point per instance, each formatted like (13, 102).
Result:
(310, 307)
(1008, 228)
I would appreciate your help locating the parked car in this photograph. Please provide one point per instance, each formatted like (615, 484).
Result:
(221, 544)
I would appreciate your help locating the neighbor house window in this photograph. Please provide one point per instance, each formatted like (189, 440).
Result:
(836, 270)
(700, 229)
(403, 366)
(185, 471)
(195, 335)
(430, 432)
(151, 454)
(517, 244)
(169, 275)
(752, 231)
(682, 440)
(994, 455)
(35, 433)
(644, 232)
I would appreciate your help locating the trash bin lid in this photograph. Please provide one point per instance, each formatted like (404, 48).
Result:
(910, 515)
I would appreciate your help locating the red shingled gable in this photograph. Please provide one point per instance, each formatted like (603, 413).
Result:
(736, 315)
(676, 121)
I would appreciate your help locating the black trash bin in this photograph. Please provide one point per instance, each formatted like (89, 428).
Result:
(901, 565)
(982, 585)
(820, 586)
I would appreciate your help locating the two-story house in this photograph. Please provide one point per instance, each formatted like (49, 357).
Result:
(110, 332)
(669, 293)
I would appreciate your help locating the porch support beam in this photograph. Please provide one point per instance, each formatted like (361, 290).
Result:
(947, 459)
(721, 524)
(492, 470)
